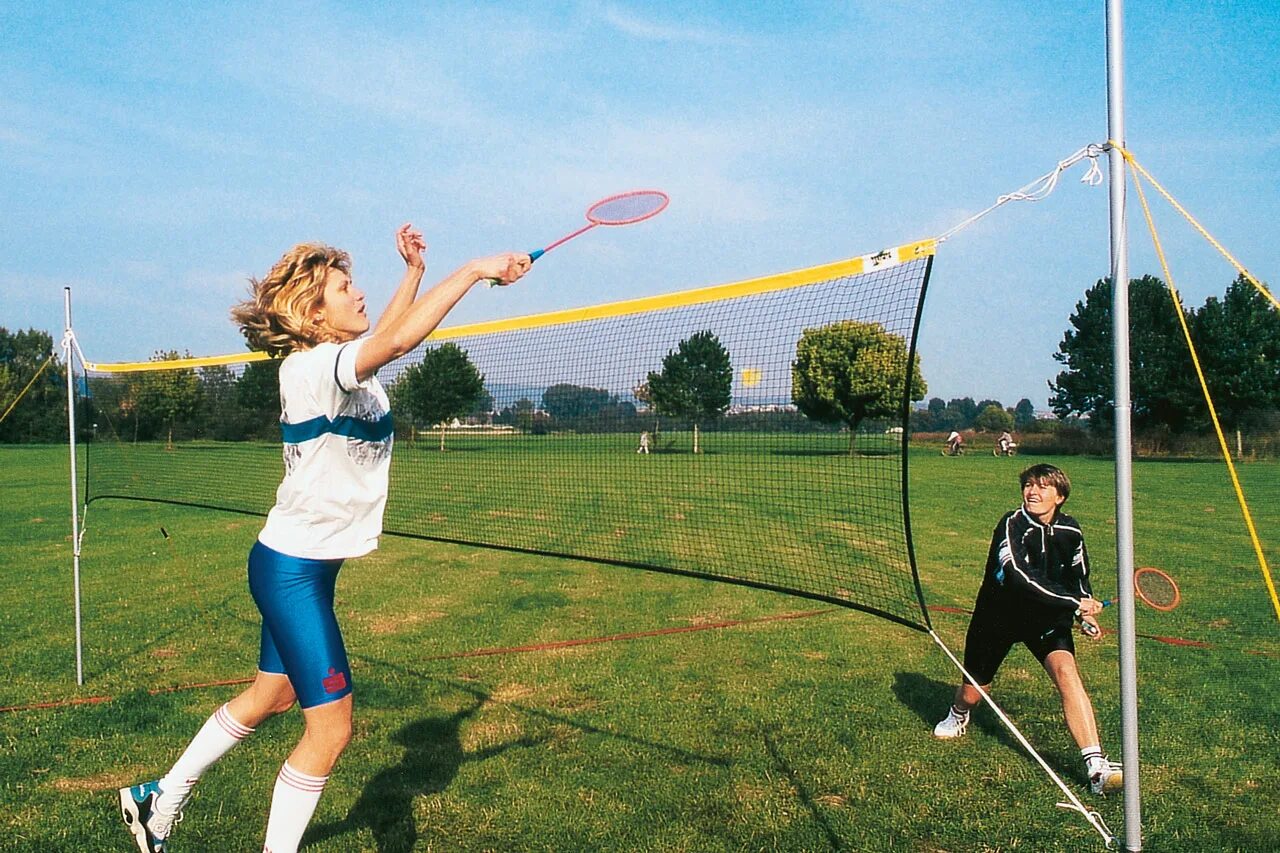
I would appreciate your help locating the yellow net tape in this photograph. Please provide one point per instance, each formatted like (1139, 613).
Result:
(23, 392)
(767, 284)
(1195, 360)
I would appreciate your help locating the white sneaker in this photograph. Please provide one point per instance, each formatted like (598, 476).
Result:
(952, 726)
(1106, 777)
(149, 826)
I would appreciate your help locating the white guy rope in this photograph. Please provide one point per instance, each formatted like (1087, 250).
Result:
(1042, 186)
(1093, 817)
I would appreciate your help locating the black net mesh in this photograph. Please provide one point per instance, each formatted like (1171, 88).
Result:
(667, 438)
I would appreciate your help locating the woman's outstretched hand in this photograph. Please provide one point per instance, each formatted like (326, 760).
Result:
(411, 246)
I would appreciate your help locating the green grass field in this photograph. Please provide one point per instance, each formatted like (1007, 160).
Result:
(802, 734)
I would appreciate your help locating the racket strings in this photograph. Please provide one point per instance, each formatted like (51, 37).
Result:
(1156, 589)
(627, 208)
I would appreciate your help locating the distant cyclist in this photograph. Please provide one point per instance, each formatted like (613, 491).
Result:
(955, 444)
(1005, 445)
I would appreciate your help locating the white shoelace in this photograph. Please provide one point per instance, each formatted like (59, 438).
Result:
(162, 824)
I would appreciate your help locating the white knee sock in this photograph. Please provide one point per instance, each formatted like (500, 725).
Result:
(292, 804)
(219, 733)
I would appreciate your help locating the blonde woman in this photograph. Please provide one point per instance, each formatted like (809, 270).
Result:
(337, 432)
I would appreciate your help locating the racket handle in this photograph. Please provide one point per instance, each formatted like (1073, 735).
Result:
(533, 256)
(1089, 628)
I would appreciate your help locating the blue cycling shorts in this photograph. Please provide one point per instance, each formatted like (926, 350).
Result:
(300, 635)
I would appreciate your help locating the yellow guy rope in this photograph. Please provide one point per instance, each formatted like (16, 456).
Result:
(25, 390)
(1196, 225)
(1195, 360)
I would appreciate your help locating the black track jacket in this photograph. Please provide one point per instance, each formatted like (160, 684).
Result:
(1036, 571)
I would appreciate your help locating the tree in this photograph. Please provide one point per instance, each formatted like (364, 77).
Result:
(258, 394)
(1024, 415)
(523, 414)
(695, 383)
(220, 416)
(571, 402)
(443, 386)
(42, 413)
(931, 418)
(960, 413)
(1238, 340)
(848, 371)
(8, 388)
(483, 406)
(1162, 389)
(168, 395)
(993, 418)
(643, 394)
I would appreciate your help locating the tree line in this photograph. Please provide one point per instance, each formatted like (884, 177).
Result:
(964, 414)
(844, 373)
(1237, 338)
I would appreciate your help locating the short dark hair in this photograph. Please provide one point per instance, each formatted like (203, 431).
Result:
(1047, 475)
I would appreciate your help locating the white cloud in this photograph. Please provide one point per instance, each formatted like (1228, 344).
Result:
(630, 24)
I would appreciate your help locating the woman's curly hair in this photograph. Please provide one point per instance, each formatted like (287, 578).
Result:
(277, 316)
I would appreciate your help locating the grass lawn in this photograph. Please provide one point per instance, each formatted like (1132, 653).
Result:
(753, 733)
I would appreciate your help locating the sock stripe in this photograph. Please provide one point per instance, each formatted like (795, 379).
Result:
(301, 781)
(229, 724)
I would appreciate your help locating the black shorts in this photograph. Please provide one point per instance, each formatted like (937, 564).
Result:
(994, 631)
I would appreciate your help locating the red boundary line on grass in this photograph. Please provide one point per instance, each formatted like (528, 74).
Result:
(657, 632)
(536, 647)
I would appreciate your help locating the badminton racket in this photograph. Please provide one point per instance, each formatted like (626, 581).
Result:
(622, 209)
(1156, 589)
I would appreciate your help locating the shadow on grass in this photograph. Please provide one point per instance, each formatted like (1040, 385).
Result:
(930, 699)
(802, 792)
(433, 753)
(683, 755)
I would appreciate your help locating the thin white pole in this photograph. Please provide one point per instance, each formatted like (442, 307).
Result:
(1123, 427)
(75, 493)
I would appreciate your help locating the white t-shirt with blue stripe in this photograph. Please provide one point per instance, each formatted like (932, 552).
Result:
(337, 456)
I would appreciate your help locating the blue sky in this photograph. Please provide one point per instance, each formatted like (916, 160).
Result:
(154, 157)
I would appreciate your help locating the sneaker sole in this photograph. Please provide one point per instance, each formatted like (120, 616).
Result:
(129, 812)
(1115, 783)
